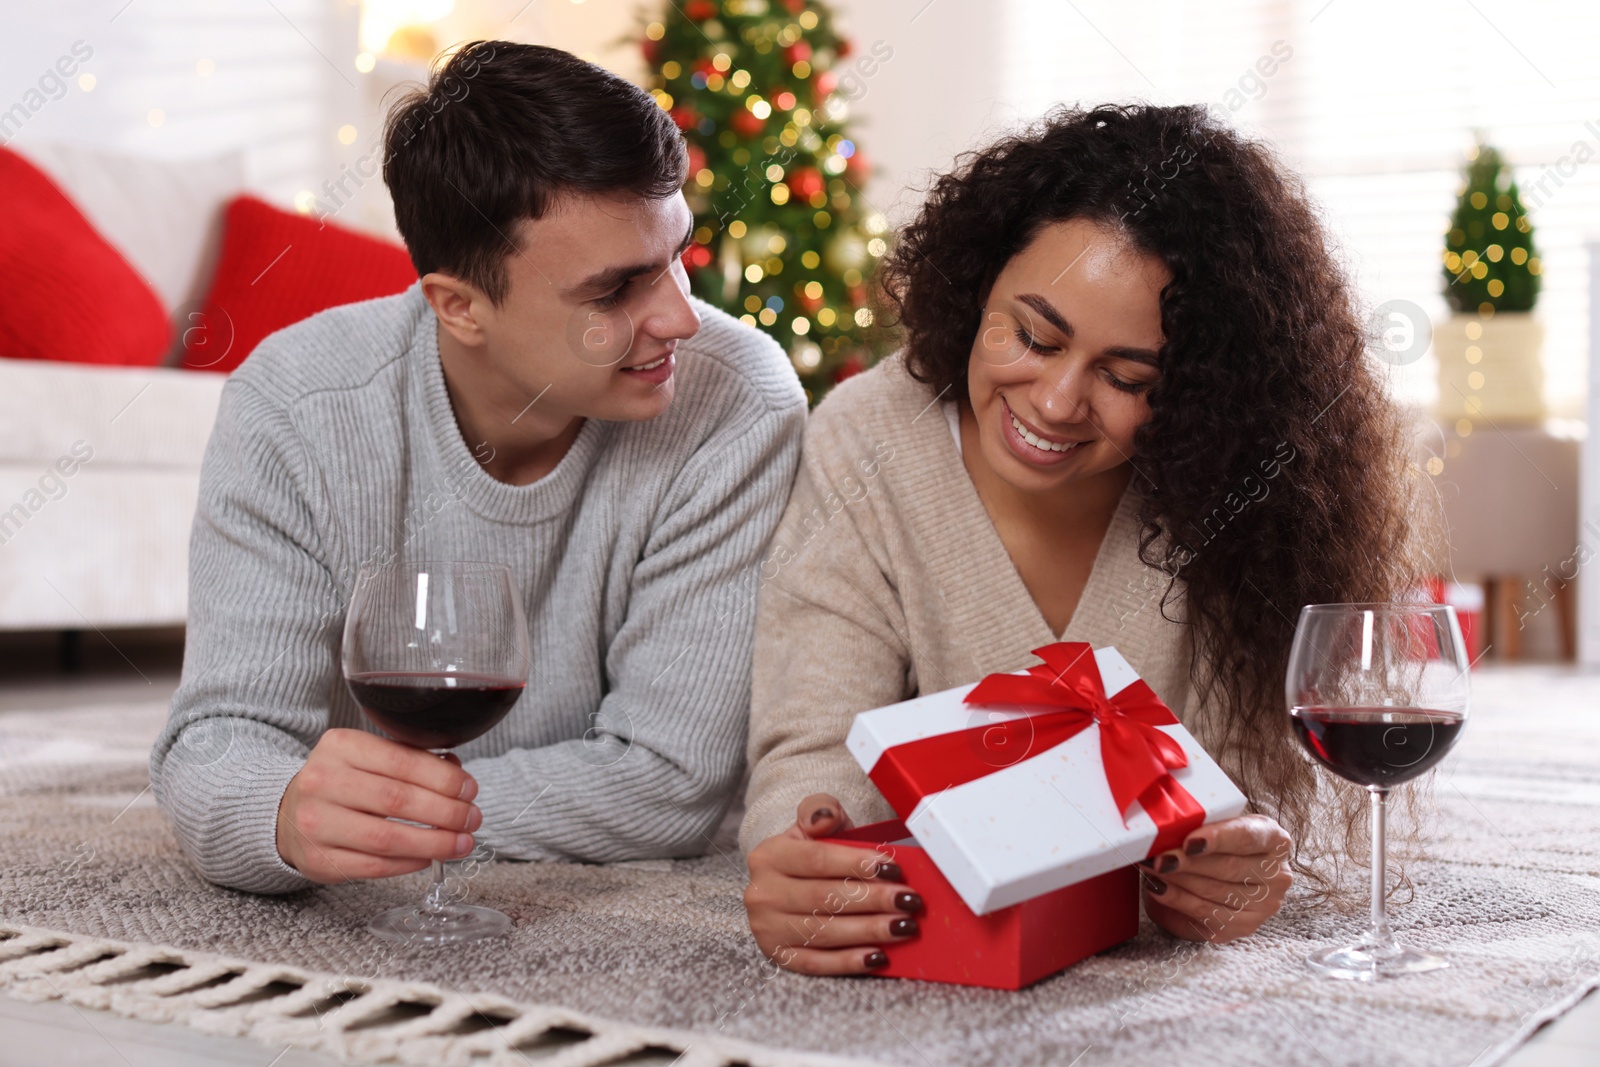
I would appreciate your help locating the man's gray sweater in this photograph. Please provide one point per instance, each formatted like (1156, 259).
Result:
(638, 559)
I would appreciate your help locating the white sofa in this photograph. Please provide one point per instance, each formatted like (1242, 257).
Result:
(99, 466)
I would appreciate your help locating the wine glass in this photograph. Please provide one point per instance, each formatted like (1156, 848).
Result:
(436, 653)
(1377, 693)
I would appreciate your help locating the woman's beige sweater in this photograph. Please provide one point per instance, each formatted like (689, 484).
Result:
(886, 579)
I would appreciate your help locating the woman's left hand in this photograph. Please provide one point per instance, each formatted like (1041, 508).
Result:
(1223, 882)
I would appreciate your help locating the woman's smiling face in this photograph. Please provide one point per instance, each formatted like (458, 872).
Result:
(1066, 355)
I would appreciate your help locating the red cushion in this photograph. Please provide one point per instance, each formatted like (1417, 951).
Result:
(69, 296)
(277, 268)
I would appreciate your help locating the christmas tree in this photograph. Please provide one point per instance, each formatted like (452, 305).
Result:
(782, 237)
(1489, 260)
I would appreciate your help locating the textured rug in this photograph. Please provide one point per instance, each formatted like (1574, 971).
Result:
(653, 959)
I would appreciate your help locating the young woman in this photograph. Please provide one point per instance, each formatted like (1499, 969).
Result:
(1133, 409)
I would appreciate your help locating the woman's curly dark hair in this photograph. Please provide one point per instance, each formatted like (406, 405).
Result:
(1263, 362)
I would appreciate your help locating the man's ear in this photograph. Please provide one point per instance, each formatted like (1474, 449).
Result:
(459, 305)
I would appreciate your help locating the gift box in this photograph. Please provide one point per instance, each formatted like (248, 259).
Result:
(1009, 948)
(1027, 783)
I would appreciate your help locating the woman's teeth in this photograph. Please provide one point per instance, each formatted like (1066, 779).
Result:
(650, 366)
(1038, 442)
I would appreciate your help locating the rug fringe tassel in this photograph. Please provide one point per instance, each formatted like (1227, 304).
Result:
(359, 1019)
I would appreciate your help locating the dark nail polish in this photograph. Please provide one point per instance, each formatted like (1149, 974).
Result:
(902, 928)
(1169, 863)
(889, 872)
(1148, 864)
(876, 959)
(820, 814)
(907, 902)
(1156, 885)
(1195, 847)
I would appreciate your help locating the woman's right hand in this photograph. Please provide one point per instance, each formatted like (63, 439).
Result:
(818, 907)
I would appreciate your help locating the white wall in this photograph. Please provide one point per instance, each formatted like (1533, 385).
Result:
(281, 81)
(939, 93)
(602, 31)
(183, 78)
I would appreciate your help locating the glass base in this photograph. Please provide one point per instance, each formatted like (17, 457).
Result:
(1367, 962)
(412, 925)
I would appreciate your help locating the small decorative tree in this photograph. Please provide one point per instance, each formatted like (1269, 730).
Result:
(781, 237)
(1489, 260)
(1490, 370)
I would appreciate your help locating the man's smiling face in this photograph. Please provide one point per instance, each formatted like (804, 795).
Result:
(596, 303)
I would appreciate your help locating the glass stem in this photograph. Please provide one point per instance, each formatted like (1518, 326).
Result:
(1381, 936)
(435, 900)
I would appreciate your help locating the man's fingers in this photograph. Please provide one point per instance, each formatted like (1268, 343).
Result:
(380, 756)
(331, 866)
(830, 961)
(820, 815)
(393, 798)
(326, 824)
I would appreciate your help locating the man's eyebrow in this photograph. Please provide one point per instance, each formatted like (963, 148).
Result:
(611, 277)
(1048, 312)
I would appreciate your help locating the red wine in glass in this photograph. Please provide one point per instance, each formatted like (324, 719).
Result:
(1377, 746)
(436, 653)
(1377, 693)
(434, 709)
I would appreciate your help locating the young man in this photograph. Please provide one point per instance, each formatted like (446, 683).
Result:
(549, 397)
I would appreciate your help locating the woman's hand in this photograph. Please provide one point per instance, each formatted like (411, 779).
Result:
(819, 907)
(1223, 882)
(335, 822)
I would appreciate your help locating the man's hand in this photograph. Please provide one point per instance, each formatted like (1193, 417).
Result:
(819, 907)
(1223, 882)
(334, 823)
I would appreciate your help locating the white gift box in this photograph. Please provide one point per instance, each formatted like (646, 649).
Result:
(1042, 823)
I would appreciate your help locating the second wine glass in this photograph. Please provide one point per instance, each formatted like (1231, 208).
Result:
(1377, 694)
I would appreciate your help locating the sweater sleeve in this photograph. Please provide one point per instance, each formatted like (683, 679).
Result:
(260, 654)
(830, 638)
(655, 771)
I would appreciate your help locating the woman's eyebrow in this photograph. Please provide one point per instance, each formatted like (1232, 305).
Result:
(1048, 312)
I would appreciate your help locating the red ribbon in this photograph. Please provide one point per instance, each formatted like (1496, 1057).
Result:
(1069, 695)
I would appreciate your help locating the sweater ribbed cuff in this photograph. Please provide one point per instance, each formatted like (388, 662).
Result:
(247, 813)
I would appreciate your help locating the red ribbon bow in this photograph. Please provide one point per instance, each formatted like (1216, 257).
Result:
(1069, 695)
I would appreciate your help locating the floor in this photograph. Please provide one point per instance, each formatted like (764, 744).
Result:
(111, 666)
(54, 1034)
(138, 665)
